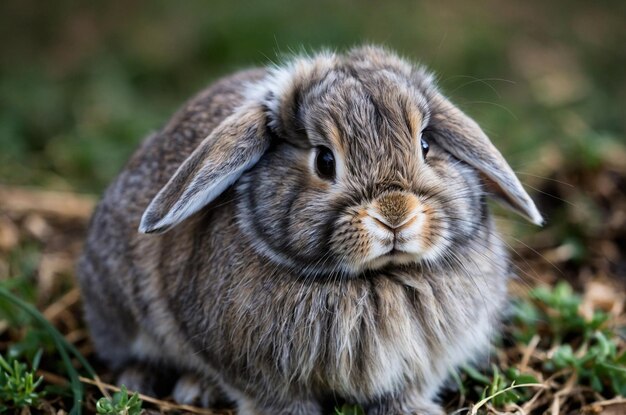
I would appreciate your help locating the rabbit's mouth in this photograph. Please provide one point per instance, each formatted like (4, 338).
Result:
(395, 229)
(395, 239)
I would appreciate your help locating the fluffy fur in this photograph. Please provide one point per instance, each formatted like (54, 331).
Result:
(280, 289)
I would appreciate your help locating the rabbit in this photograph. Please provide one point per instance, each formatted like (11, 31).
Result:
(312, 232)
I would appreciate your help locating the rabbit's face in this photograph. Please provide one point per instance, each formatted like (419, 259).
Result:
(347, 163)
(356, 183)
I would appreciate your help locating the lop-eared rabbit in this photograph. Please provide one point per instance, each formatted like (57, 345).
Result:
(312, 231)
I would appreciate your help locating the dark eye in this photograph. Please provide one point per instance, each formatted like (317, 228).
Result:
(325, 163)
(425, 147)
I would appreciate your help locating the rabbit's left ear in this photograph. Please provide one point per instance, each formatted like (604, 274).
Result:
(233, 147)
(463, 138)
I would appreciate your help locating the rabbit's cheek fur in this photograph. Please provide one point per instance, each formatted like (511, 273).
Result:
(287, 214)
(403, 227)
(462, 200)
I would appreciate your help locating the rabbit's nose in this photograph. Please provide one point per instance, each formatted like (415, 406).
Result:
(395, 210)
(393, 226)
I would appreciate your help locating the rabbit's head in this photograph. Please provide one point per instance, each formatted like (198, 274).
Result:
(344, 164)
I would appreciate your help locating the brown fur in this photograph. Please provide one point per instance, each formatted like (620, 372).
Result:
(272, 289)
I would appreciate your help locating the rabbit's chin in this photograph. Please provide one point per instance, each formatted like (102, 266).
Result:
(393, 257)
(397, 258)
(386, 261)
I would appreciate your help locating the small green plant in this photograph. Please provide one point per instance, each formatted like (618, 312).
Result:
(500, 388)
(556, 311)
(18, 386)
(559, 307)
(349, 410)
(597, 364)
(120, 404)
(569, 342)
(586, 346)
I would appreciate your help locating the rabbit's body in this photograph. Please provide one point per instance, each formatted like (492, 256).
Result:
(241, 294)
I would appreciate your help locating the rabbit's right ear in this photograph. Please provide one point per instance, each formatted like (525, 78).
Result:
(463, 138)
(233, 147)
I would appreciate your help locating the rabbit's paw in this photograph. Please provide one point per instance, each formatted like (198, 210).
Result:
(187, 390)
(192, 390)
(138, 378)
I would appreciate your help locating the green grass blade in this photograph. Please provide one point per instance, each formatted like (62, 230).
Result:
(62, 346)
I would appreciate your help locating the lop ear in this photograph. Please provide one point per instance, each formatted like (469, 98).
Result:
(233, 147)
(463, 138)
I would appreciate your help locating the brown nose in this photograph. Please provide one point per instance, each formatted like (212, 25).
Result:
(395, 209)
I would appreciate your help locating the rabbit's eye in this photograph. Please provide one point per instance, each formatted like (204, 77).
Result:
(325, 163)
(425, 147)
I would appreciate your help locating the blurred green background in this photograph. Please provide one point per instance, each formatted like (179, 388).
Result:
(82, 82)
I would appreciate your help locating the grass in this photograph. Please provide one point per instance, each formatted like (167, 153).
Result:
(588, 349)
(349, 410)
(63, 349)
(18, 385)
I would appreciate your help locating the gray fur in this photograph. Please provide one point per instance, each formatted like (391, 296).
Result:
(272, 290)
